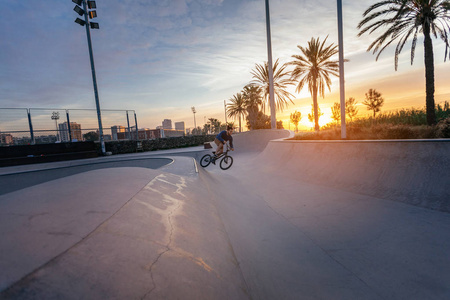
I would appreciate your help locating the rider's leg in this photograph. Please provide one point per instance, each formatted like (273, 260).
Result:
(219, 149)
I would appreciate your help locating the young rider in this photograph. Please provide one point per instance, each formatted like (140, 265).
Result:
(220, 140)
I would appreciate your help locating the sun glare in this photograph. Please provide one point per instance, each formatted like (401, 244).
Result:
(325, 119)
(305, 124)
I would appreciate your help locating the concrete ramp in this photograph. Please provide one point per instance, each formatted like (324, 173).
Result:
(304, 225)
(142, 234)
(289, 220)
(257, 140)
(410, 171)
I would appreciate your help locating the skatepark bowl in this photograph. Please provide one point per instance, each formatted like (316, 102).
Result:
(289, 220)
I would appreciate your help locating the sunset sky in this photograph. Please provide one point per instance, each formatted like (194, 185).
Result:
(162, 57)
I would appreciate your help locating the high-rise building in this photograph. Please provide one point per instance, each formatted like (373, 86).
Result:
(6, 139)
(179, 126)
(167, 124)
(115, 129)
(75, 131)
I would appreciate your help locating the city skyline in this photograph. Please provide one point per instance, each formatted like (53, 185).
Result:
(161, 59)
(65, 133)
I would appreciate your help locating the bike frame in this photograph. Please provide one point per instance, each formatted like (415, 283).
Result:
(225, 152)
(225, 160)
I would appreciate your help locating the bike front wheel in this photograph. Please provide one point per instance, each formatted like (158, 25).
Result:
(205, 160)
(226, 162)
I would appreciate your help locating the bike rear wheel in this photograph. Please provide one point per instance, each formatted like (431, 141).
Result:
(226, 162)
(205, 160)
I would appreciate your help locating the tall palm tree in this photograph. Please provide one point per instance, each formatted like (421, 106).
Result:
(314, 67)
(237, 107)
(252, 95)
(281, 81)
(402, 19)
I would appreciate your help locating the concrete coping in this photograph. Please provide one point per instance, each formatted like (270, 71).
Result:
(72, 163)
(366, 141)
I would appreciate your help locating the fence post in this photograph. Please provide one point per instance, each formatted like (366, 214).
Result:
(68, 126)
(30, 124)
(135, 123)
(128, 122)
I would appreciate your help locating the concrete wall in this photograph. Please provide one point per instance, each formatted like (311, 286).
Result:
(412, 171)
(256, 140)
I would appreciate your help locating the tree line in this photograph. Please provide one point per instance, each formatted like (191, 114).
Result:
(398, 20)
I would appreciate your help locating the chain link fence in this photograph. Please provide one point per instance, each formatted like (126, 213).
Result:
(25, 126)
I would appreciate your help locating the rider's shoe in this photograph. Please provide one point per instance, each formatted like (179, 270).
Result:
(214, 160)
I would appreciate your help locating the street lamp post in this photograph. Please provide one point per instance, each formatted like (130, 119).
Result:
(341, 69)
(273, 116)
(89, 15)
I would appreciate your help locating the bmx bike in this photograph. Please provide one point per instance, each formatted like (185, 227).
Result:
(225, 160)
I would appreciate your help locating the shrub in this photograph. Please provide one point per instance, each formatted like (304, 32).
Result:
(402, 124)
(443, 128)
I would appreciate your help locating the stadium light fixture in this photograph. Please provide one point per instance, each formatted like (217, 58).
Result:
(91, 4)
(78, 2)
(78, 10)
(94, 25)
(79, 21)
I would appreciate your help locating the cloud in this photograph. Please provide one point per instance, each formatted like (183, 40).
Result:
(150, 55)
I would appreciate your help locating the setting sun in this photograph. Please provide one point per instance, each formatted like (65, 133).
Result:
(304, 123)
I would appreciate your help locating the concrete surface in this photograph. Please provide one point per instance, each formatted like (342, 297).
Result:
(410, 171)
(255, 231)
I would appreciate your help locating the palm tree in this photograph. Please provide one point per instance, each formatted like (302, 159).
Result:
(206, 129)
(252, 96)
(214, 125)
(403, 19)
(280, 83)
(237, 108)
(314, 67)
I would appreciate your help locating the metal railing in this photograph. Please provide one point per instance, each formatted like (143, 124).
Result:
(24, 126)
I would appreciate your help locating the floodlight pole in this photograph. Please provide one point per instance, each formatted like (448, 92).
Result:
(194, 111)
(273, 116)
(225, 107)
(55, 116)
(341, 69)
(94, 78)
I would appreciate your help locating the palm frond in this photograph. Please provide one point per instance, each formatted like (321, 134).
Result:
(403, 19)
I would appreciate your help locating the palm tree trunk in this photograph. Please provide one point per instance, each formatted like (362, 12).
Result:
(429, 75)
(240, 123)
(316, 107)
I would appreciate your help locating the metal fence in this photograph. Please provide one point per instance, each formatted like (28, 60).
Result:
(24, 126)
